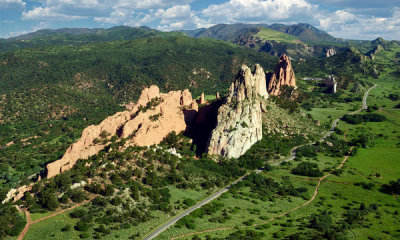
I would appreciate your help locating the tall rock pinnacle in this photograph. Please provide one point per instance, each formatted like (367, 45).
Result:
(283, 75)
(239, 121)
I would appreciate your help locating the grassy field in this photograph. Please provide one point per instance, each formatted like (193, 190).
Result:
(338, 194)
(272, 35)
(36, 216)
(51, 228)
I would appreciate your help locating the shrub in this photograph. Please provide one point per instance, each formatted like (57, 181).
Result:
(66, 228)
(307, 169)
(77, 195)
(307, 151)
(84, 235)
(360, 118)
(108, 190)
(189, 202)
(82, 226)
(392, 187)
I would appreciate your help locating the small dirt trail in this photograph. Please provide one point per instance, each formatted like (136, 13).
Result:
(29, 222)
(280, 215)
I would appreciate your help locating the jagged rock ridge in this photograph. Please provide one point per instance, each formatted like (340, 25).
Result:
(239, 120)
(154, 116)
(283, 75)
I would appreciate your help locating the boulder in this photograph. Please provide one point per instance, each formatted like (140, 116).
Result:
(283, 75)
(153, 117)
(239, 119)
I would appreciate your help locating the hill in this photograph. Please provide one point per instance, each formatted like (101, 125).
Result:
(304, 32)
(48, 95)
(298, 41)
(229, 32)
(77, 36)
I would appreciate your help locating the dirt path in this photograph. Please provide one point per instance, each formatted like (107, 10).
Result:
(309, 179)
(30, 223)
(278, 216)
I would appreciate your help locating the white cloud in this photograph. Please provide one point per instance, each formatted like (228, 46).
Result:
(172, 18)
(39, 26)
(41, 13)
(331, 20)
(348, 22)
(258, 11)
(345, 24)
(12, 4)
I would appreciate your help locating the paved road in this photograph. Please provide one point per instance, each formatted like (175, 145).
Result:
(213, 196)
(364, 107)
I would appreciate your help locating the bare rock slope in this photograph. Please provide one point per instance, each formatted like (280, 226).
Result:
(154, 116)
(239, 121)
(283, 75)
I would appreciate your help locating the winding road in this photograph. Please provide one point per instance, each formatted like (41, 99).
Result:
(214, 196)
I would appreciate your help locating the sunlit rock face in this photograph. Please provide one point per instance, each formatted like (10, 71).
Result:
(154, 116)
(239, 121)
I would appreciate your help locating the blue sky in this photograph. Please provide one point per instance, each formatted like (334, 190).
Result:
(352, 19)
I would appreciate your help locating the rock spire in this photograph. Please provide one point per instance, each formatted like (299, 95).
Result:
(239, 120)
(283, 75)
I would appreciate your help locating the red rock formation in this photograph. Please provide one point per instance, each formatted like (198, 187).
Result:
(283, 75)
(154, 116)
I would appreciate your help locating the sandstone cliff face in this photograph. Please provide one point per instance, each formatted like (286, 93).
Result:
(154, 116)
(283, 75)
(239, 121)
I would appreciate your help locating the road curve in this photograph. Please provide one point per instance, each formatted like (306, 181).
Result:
(213, 196)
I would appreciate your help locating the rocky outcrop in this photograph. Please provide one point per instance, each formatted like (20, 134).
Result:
(239, 120)
(283, 75)
(16, 194)
(330, 52)
(375, 51)
(332, 83)
(154, 116)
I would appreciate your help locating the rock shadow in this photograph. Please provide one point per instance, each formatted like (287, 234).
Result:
(201, 125)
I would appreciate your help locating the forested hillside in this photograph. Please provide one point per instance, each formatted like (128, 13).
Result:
(49, 94)
(78, 36)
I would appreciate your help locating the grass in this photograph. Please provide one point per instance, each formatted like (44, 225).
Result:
(327, 115)
(244, 203)
(272, 35)
(51, 228)
(36, 216)
(336, 193)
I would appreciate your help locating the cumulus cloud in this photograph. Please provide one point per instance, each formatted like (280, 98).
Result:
(39, 26)
(41, 13)
(259, 11)
(354, 19)
(172, 18)
(359, 4)
(177, 17)
(12, 4)
(345, 24)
